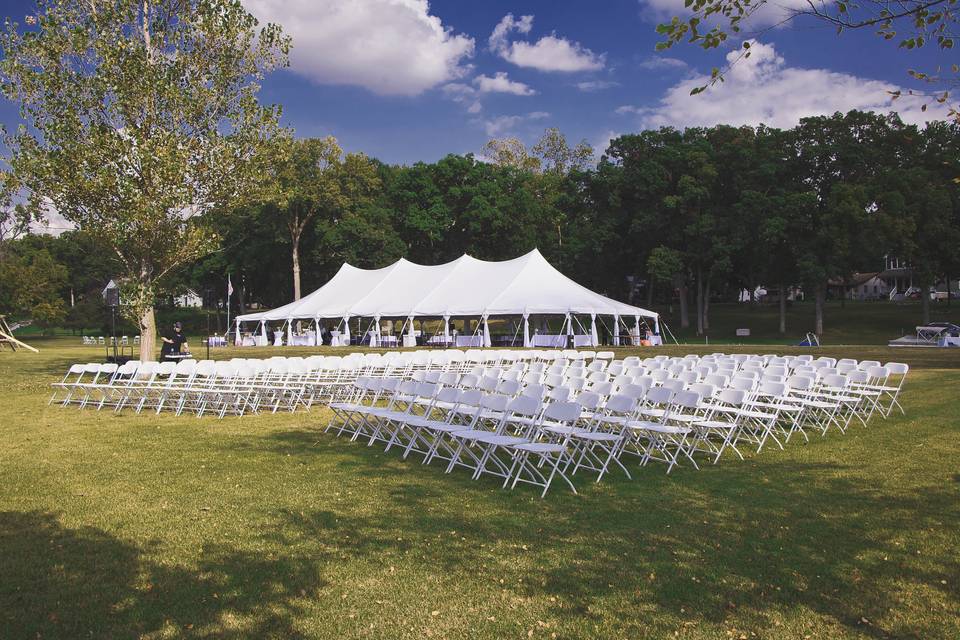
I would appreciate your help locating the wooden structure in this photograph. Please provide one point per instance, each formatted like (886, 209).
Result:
(7, 339)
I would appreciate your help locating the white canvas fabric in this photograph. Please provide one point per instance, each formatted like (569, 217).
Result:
(464, 287)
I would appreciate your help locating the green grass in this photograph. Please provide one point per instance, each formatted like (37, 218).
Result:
(160, 527)
(853, 323)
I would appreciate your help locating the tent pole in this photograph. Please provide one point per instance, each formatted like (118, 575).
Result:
(345, 338)
(486, 333)
(317, 340)
(656, 325)
(616, 331)
(411, 333)
(446, 331)
(263, 332)
(526, 330)
(594, 340)
(636, 329)
(289, 331)
(236, 337)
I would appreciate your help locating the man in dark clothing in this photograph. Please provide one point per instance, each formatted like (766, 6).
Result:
(174, 342)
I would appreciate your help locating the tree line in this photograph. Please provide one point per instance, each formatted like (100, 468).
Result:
(666, 216)
(688, 216)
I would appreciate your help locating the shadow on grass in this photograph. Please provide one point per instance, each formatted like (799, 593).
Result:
(60, 582)
(738, 544)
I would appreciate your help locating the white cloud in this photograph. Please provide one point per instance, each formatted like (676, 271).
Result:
(596, 85)
(772, 12)
(391, 47)
(469, 95)
(500, 83)
(763, 89)
(549, 53)
(663, 62)
(503, 124)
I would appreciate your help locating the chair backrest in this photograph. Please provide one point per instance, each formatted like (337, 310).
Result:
(733, 397)
(687, 399)
(534, 391)
(494, 402)
(448, 395)
(563, 411)
(589, 400)
(897, 368)
(635, 391)
(524, 406)
(835, 380)
(621, 404)
(803, 383)
(659, 395)
(704, 389)
(558, 394)
(508, 387)
(674, 385)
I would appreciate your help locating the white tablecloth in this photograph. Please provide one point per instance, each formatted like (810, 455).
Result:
(550, 340)
(388, 341)
(469, 341)
(249, 341)
(949, 341)
(302, 340)
(278, 338)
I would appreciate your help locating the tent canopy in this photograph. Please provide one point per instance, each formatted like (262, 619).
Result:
(464, 287)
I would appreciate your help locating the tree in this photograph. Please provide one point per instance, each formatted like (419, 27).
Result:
(142, 122)
(911, 24)
(311, 176)
(510, 152)
(30, 283)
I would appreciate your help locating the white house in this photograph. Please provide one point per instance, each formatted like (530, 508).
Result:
(189, 298)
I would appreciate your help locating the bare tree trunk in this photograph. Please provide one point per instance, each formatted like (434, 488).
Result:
(783, 309)
(818, 296)
(296, 268)
(241, 300)
(706, 306)
(699, 302)
(925, 303)
(148, 335)
(684, 311)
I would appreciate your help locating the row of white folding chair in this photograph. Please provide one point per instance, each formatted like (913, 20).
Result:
(466, 427)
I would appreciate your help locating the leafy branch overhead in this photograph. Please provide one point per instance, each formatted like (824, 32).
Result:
(141, 121)
(911, 24)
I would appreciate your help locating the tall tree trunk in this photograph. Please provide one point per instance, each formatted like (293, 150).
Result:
(699, 302)
(706, 306)
(925, 303)
(684, 311)
(783, 309)
(148, 335)
(296, 267)
(241, 300)
(818, 296)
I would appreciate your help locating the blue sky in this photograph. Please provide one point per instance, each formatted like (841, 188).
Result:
(403, 80)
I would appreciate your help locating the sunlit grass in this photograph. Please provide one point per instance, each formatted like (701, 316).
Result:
(125, 526)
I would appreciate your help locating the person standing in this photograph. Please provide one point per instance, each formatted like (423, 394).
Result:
(173, 342)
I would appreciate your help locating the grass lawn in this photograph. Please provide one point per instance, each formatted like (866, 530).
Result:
(852, 323)
(118, 526)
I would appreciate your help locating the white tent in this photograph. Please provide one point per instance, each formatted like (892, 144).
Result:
(465, 287)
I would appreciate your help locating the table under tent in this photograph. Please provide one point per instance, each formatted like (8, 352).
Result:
(537, 304)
